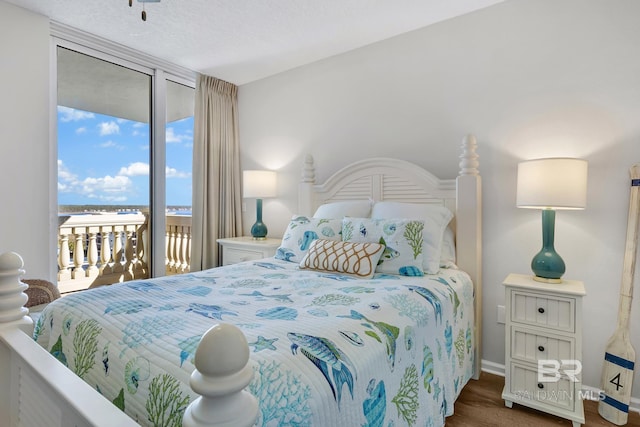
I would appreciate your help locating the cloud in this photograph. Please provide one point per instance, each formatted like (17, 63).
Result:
(107, 184)
(175, 173)
(68, 179)
(108, 128)
(107, 189)
(67, 114)
(81, 130)
(135, 169)
(172, 137)
(142, 169)
(111, 144)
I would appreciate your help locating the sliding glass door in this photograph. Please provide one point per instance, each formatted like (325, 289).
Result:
(124, 140)
(179, 159)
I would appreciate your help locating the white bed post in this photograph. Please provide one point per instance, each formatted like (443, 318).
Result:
(13, 315)
(36, 389)
(12, 297)
(469, 232)
(305, 188)
(222, 372)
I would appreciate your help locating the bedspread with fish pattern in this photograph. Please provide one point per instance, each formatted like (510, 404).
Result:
(327, 349)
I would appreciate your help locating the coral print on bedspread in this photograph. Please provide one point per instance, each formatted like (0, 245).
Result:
(327, 349)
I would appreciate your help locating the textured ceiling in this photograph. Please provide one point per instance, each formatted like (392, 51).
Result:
(245, 40)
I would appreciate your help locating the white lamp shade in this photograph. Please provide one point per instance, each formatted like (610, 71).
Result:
(553, 183)
(258, 184)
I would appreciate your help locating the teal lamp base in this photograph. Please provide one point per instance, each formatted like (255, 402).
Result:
(547, 265)
(259, 229)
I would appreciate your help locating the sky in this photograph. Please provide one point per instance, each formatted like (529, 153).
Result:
(104, 160)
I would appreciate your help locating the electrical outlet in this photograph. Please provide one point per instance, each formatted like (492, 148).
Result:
(501, 314)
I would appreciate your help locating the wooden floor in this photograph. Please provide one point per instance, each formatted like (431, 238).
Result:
(481, 404)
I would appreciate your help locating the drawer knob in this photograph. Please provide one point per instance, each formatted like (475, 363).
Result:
(540, 348)
(540, 385)
(540, 310)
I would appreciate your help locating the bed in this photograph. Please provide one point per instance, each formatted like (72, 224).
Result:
(314, 341)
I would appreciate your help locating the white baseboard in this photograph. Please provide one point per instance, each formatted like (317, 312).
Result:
(492, 367)
(498, 369)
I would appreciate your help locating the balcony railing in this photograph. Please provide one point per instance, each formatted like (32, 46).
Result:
(178, 244)
(103, 249)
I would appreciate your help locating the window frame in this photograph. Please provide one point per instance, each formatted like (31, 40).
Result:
(160, 71)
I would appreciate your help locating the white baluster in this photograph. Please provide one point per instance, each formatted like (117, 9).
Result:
(222, 372)
(144, 238)
(129, 261)
(117, 249)
(179, 249)
(64, 257)
(172, 250)
(186, 256)
(78, 255)
(167, 251)
(140, 254)
(105, 250)
(92, 256)
(189, 260)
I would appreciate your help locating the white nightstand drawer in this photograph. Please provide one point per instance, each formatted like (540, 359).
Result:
(529, 346)
(233, 255)
(543, 310)
(245, 248)
(526, 386)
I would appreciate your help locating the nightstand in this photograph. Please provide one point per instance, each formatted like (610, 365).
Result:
(543, 346)
(245, 248)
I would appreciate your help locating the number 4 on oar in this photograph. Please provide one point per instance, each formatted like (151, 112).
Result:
(619, 357)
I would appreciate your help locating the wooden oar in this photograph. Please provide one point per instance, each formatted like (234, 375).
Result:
(619, 356)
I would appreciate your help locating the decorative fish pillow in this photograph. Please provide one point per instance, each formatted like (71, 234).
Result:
(436, 218)
(402, 238)
(302, 231)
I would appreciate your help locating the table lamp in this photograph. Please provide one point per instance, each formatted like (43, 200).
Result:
(258, 184)
(551, 184)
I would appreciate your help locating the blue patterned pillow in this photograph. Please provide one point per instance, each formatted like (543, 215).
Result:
(301, 231)
(435, 218)
(402, 239)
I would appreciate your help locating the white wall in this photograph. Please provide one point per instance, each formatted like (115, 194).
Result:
(24, 139)
(530, 78)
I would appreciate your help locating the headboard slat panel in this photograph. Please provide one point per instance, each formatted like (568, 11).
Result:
(379, 179)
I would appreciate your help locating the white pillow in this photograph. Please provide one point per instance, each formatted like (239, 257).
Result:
(448, 255)
(402, 239)
(338, 210)
(302, 231)
(436, 218)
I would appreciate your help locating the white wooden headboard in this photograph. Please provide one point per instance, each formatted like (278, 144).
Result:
(386, 179)
(376, 179)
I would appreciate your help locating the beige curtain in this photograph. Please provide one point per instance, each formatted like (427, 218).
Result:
(216, 170)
